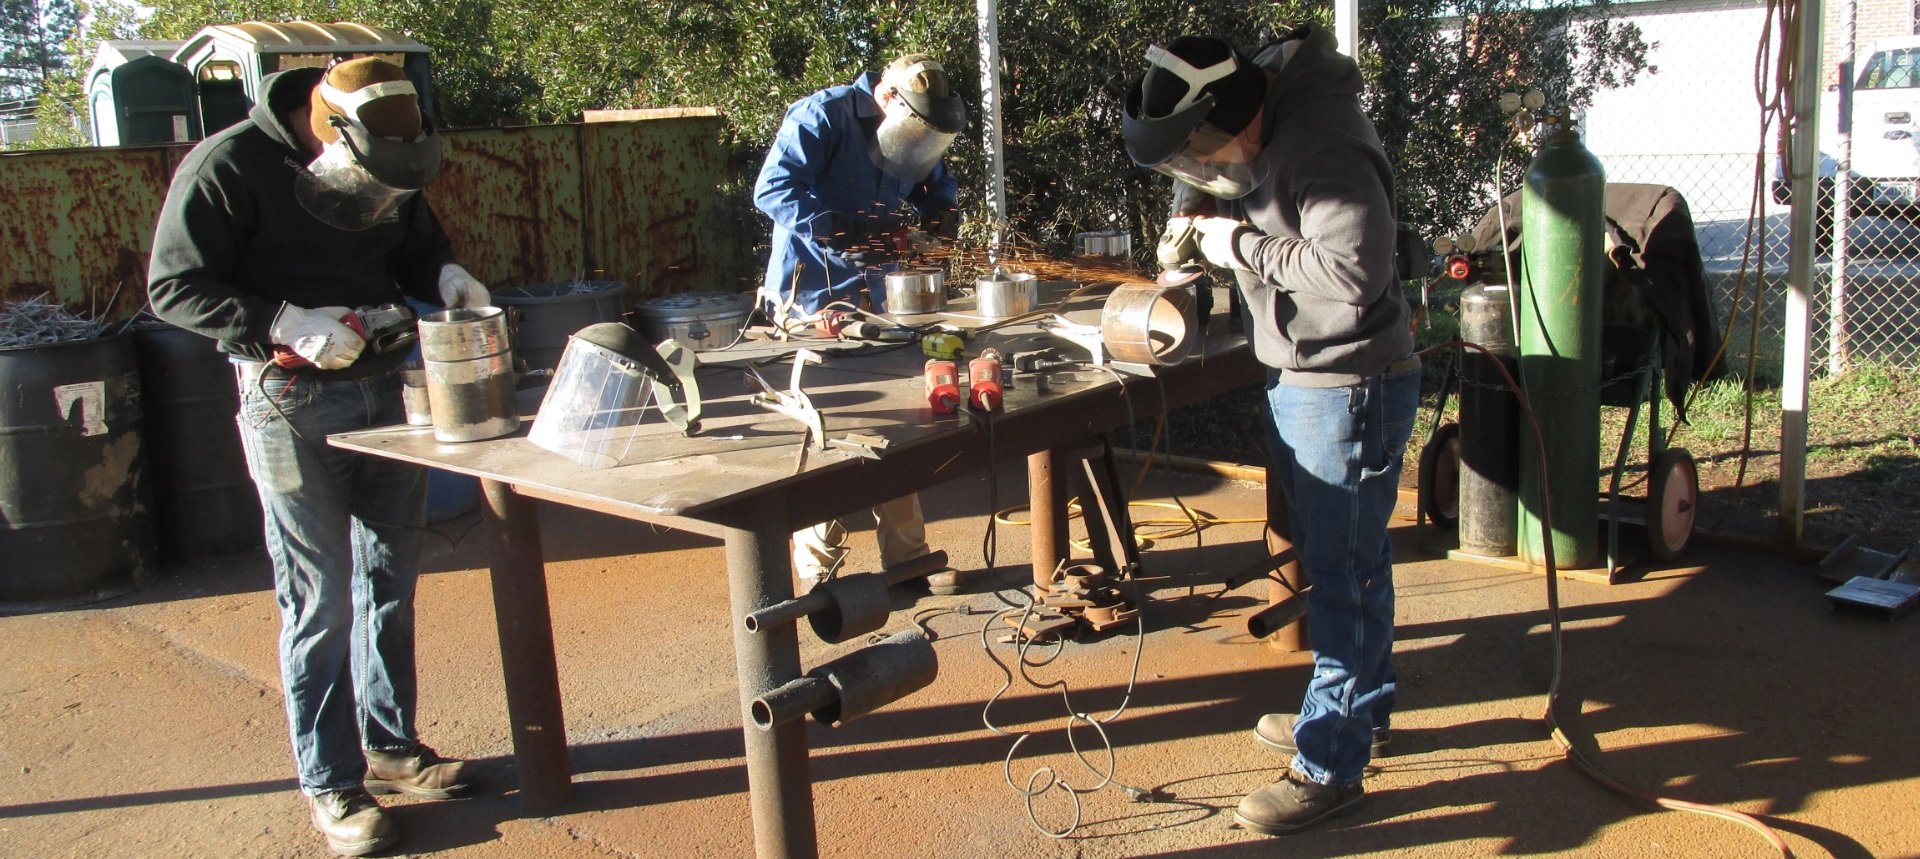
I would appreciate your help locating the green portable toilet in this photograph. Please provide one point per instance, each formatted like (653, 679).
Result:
(136, 94)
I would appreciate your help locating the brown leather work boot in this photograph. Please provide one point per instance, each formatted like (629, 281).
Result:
(352, 822)
(417, 772)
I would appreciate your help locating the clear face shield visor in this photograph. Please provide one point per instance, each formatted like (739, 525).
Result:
(343, 193)
(909, 146)
(1227, 166)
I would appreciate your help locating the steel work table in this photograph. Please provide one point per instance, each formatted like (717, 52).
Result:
(736, 481)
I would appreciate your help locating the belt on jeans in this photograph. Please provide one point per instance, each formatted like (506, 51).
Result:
(1404, 365)
(252, 371)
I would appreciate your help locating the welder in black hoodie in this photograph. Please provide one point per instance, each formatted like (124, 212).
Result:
(273, 231)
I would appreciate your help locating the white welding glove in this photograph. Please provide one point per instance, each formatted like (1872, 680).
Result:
(1220, 241)
(460, 289)
(317, 335)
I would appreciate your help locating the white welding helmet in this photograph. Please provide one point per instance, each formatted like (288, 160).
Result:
(1184, 116)
(921, 120)
(377, 149)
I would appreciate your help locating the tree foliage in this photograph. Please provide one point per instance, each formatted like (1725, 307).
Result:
(1434, 70)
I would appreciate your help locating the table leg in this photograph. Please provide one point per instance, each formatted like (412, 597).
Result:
(1291, 638)
(521, 613)
(1047, 517)
(778, 782)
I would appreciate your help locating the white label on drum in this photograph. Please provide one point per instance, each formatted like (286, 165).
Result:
(92, 399)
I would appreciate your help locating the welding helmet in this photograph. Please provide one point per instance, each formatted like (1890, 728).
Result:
(920, 117)
(376, 146)
(1187, 116)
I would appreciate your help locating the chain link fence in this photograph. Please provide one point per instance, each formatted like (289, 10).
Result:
(1692, 121)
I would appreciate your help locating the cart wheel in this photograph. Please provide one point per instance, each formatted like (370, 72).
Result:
(1440, 477)
(1672, 497)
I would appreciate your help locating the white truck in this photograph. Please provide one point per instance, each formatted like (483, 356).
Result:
(1880, 98)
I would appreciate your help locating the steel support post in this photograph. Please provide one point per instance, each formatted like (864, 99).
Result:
(1291, 638)
(1046, 511)
(525, 624)
(778, 782)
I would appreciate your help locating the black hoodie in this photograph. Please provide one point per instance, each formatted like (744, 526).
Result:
(234, 244)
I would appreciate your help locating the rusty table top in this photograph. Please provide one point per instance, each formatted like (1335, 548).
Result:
(744, 452)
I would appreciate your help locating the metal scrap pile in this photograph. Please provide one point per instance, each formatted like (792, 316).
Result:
(38, 322)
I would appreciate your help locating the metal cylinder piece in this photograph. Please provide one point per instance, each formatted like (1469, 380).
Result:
(469, 365)
(1489, 426)
(920, 290)
(859, 605)
(1005, 294)
(1146, 323)
(853, 685)
(1277, 616)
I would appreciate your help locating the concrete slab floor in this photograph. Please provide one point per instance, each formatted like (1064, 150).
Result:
(152, 725)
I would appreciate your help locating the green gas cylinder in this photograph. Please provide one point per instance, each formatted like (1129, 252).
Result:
(1563, 255)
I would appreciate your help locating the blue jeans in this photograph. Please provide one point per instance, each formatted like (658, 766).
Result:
(1336, 453)
(343, 531)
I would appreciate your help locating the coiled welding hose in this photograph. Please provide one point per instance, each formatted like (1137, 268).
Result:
(1573, 754)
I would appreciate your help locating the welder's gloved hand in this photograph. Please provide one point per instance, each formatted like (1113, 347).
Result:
(1220, 241)
(460, 289)
(317, 335)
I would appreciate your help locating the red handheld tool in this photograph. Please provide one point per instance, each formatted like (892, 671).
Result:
(984, 393)
(943, 386)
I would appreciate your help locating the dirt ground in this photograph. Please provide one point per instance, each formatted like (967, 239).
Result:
(151, 725)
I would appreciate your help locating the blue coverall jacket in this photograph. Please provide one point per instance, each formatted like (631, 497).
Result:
(821, 178)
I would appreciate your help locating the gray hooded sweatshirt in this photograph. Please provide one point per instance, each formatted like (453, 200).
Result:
(1321, 287)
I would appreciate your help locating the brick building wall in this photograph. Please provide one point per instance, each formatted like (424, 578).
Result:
(1873, 19)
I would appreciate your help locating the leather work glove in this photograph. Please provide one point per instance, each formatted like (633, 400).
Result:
(460, 289)
(317, 335)
(1220, 240)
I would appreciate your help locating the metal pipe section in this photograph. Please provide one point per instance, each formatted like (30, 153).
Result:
(792, 701)
(525, 627)
(990, 137)
(1292, 637)
(1277, 616)
(778, 782)
(1563, 220)
(1047, 523)
(857, 605)
(877, 675)
(822, 599)
(1489, 426)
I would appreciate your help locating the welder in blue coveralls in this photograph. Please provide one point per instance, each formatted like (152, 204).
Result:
(853, 182)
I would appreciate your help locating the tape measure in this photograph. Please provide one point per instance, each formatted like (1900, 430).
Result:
(945, 347)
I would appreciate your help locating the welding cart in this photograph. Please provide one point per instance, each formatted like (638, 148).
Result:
(1659, 339)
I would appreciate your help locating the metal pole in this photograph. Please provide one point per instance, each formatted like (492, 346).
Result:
(525, 627)
(1842, 202)
(777, 780)
(1046, 520)
(1803, 158)
(990, 138)
(1291, 638)
(1346, 27)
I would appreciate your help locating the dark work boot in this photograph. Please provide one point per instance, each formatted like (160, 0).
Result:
(353, 823)
(418, 772)
(1275, 731)
(1293, 803)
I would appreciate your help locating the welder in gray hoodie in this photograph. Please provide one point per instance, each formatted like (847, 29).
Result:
(1298, 203)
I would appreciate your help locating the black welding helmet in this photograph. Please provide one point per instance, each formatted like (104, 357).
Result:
(377, 148)
(1186, 114)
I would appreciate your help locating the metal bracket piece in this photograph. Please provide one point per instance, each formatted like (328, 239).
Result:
(677, 390)
(794, 404)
